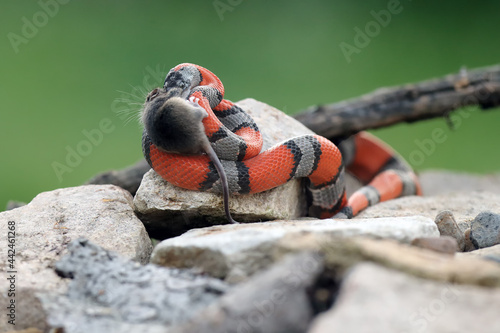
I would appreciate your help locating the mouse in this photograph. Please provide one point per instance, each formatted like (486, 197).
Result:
(175, 125)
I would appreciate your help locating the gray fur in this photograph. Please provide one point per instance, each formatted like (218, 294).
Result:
(174, 124)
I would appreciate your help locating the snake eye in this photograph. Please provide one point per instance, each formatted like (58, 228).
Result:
(152, 94)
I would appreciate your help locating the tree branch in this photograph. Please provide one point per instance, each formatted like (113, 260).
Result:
(407, 103)
(128, 178)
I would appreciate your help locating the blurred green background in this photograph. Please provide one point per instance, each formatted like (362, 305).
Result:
(94, 60)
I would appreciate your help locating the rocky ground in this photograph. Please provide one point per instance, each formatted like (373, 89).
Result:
(84, 259)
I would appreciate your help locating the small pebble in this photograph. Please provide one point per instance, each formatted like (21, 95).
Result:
(468, 243)
(443, 244)
(485, 230)
(448, 227)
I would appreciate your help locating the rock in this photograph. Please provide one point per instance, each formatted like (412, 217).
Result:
(108, 291)
(443, 244)
(342, 254)
(490, 253)
(236, 251)
(377, 299)
(448, 227)
(464, 205)
(276, 300)
(128, 178)
(45, 226)
(437, 182)
(485, 230)
(469, 246)
(169, 211)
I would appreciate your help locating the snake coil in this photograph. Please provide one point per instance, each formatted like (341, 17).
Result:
(195, 139)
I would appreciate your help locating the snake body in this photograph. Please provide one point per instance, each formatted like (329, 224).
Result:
(236, 140)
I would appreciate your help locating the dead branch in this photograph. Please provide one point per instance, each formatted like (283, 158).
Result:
(407, 103)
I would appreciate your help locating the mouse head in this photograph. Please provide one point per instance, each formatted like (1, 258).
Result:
(174, 124)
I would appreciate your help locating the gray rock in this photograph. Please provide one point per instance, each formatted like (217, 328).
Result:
(377, 299)
(109, 293)
(437, 182)
(235, 252)
(44, 227)
(443, 244)
(485, 230)
(464, 206)
(168, 211)
(448, 227)
(275, 300)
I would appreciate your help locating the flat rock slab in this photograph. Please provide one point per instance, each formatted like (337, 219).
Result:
(377, 299)
(235, 252)
(109, 293)
(44, 227)
(465, 206)
(168, 211)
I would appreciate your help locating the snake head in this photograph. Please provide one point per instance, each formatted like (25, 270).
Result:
(174, 124)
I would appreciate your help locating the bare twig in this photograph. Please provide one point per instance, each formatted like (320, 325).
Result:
(407, 103)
